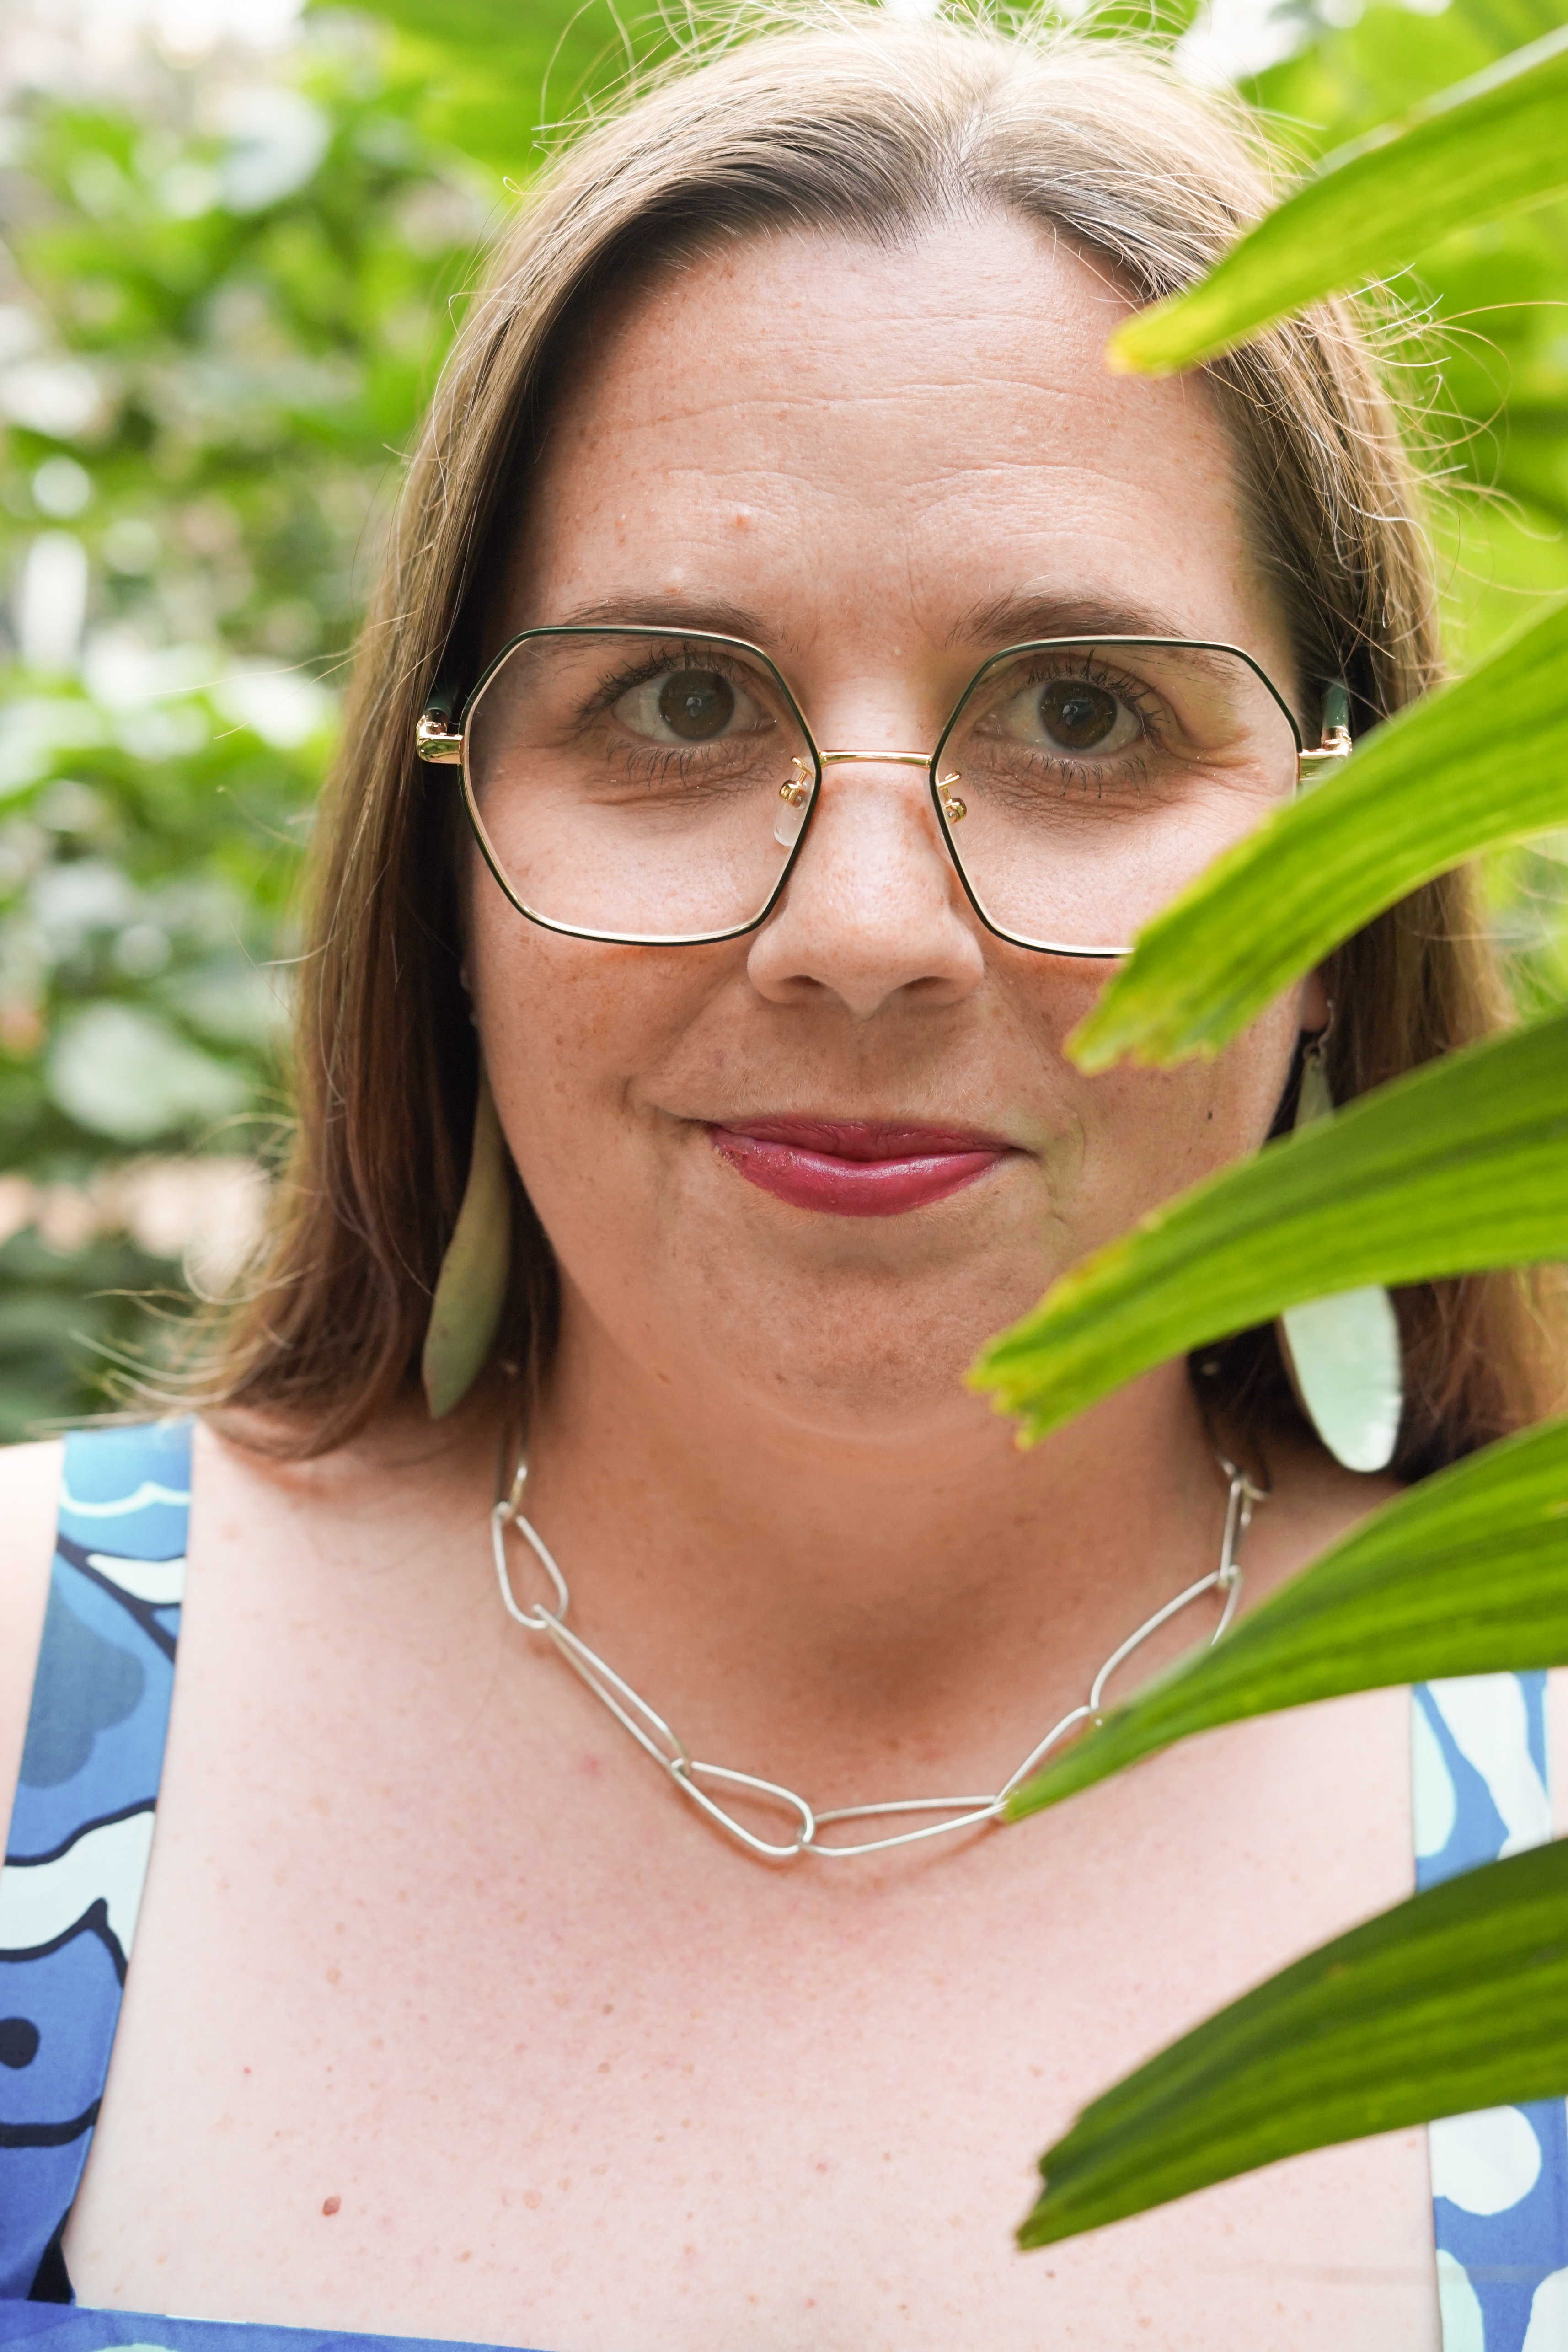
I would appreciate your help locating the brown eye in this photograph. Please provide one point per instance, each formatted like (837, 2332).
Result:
(1076, 715)
(697, 704)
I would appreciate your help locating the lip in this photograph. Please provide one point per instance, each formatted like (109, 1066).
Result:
(856, 1168)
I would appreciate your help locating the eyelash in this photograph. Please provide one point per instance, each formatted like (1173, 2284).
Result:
(609, 693)
(1127, 689)
(669, 658)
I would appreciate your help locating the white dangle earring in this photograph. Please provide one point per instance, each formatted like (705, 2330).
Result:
(1343, 1353)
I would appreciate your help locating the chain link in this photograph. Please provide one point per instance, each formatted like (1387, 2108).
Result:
(700, 1782)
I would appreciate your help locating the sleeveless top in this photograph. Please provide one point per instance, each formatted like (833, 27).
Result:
(81, 1835)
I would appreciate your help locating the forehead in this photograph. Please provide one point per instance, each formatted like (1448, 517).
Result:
(814, 432)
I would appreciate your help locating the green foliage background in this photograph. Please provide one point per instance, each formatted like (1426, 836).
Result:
(229, 275)
(228, 280)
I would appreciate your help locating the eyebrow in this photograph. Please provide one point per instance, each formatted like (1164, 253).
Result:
(1009, 619)
(703, 616)
(1015, 618)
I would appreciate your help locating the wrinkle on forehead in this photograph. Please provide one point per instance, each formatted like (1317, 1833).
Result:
(899, 411)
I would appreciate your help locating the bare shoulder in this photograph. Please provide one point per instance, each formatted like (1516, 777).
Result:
(246, 1460)
(397, 1491)
(29, 1497)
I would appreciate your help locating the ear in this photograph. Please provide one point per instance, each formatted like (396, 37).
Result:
(1314, 1003)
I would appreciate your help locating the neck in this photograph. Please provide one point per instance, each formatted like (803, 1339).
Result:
(863, 1611)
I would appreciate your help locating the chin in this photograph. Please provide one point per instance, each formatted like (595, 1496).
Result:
(872, 1400)
(881, 1355)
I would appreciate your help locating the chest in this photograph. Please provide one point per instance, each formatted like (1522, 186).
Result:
(447, 2017)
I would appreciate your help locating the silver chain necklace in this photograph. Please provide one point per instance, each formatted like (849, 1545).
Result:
(698, 1781)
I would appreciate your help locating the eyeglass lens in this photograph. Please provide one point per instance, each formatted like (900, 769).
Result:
(1097, 780)
(639, 785)
(644, 786)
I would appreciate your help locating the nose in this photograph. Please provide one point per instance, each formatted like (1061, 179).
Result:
(874, 912)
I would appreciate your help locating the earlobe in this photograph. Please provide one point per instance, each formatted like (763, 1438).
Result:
(1315, 1012)
(471, 1289)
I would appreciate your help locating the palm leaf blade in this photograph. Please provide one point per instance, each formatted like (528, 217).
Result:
(1454, 2000)
(1490, 143)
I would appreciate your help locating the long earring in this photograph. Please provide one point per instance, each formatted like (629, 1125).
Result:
(1343, 1353)
(471, 1289)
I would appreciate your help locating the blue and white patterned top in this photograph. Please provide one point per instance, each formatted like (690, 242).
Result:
(1481, 1786)
(75, 1860)
(81, 1829)
(81, 1835)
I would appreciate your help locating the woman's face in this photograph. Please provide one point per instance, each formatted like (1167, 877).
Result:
(881, 467)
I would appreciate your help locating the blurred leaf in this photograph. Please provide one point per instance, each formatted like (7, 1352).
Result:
(126, 1074)
(1492, 141)
(1489, 304)
(1391, 54)
(501, 79)
(1455, 2001)
(1347, 79)
(61, 1314)
(482, 28)
(1158, 20)
(1456, 1167)
(1464, 1574)
(1482, 761)
(251, 254)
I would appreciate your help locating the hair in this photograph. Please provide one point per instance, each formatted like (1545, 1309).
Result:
(850, 119)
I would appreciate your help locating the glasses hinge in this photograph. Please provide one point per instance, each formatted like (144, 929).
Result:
(1335, 746)
(433, 740)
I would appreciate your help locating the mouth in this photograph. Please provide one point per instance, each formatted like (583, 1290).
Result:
(856, 1168)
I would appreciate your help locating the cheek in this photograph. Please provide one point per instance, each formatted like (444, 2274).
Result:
(1118, 1144)
(1154, 1132)
(573, 1033)
(1170, 1127)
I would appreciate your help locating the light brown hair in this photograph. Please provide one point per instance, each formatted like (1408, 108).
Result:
(847, 119)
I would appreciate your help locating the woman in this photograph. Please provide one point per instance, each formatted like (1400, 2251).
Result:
(781, 415)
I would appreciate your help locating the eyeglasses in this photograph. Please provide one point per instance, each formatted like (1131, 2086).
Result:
(656, 788)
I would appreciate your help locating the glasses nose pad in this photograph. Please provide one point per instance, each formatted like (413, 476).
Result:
(953, 808)
(795, 793)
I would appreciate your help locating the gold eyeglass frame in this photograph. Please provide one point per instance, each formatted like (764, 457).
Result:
(441, 744)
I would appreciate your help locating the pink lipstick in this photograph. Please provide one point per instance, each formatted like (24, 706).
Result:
(855, 1168)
